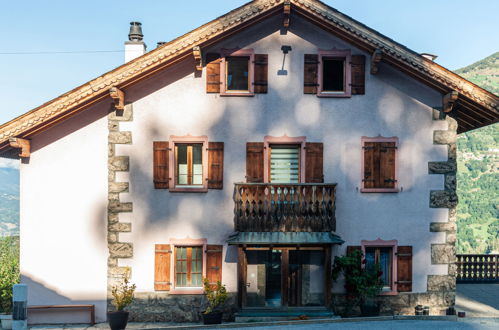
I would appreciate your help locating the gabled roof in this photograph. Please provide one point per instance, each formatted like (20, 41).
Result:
(474, 108)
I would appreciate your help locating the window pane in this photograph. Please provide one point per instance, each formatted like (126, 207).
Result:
(182, 170)
(189, 164)
(285, 164)
(333, 74)
(385, 265)
(237, 73)
(197, 164)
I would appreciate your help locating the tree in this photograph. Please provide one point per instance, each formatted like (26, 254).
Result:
(9, 271)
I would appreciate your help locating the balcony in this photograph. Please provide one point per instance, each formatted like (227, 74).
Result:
(269, 207)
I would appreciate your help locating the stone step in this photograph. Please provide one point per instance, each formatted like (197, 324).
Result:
(282, 315)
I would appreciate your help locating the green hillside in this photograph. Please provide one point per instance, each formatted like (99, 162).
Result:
(478, 172)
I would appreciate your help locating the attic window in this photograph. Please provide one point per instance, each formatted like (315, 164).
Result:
(333, 75)
(237, 72)
(334, 78)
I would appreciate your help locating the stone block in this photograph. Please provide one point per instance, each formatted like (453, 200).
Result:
(451, 238)
(112, 262)
(452, 269)
(443, 199)
(444, 137)
(121, 250)
(110, 150)
(436, 113)
(113, 126)
(119, 163)
(120, 137)
(118, 187)
(111, 176)
(442, 167)
(452, 152)
(451, 123)
(122, 227)
(450, 182)
(122, 115)
(120, 207)
(116, 271)
(449, 298)
(113, 197)
(443, 254)
(441, 283)
(112, 237)
(112, 218)
(442, 227)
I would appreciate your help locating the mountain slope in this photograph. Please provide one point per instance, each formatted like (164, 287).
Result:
(9, 202)
(484, 73)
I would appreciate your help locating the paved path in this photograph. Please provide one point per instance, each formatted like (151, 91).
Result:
(478, 300)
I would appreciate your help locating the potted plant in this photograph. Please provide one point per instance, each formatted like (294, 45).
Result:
(362, 284)
(6, 309)
(216, 295)
(122, 297)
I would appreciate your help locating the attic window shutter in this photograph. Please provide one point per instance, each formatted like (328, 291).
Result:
(358, 69)
(160, 167)
(261, 74)
(311, 67)
(387, 165)
(213, 81)
(314, 163)
(404, 268)
(254, 162)
(215, 165)
(214, 263)
(162, 267)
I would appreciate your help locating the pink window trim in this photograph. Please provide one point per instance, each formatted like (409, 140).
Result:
(175, 242)
(251, 67)
(382, 243)
(268, 140)
(172, 168)
(346, 54)
(365, 139)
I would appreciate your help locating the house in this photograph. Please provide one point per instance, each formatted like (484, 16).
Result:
(252, 150)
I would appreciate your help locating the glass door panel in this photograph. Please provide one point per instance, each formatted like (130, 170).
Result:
(263, 278)
(306, 278)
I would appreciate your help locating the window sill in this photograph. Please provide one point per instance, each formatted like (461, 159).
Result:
(334, 94)
(189, 189)
(388, 293)
(187, 291)
(237, 94)
(379, 190)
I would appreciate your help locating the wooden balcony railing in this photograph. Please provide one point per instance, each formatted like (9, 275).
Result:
(266, 207)
(477, 268)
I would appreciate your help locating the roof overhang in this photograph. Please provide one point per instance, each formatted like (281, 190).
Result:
(474, 107)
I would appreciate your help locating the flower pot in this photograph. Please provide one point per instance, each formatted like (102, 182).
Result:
(212, 318)
(369, 309)
(117, 320)
(6, 321)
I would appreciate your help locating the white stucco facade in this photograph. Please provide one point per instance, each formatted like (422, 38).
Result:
(64, 187)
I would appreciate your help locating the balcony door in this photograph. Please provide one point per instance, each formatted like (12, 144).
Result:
(284, 277)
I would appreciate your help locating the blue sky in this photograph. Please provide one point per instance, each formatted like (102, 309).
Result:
(459, 31)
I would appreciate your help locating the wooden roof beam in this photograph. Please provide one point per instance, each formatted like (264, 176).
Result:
(196, 52)
(118, 97)
(449, 100)
(22, 144)
(376, 61)
(287, 12)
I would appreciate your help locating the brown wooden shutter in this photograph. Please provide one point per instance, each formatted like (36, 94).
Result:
(254, 162)
(358, 71)
(213, 73)
(371, 164)
(311, 67)
(352, 248)
(160, 169)
(404, 268)
(214, 263)
(215, 165)
(314, 159)
(162, 267)
(387, 165)
(261, 74)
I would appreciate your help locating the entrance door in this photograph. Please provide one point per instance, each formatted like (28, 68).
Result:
(278, 277)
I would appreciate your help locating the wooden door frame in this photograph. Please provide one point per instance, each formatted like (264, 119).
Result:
(242, 271)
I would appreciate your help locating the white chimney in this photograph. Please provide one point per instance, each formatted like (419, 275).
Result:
(135, 46)
(429, 56)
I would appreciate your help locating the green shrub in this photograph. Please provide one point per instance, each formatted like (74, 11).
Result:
(9, 271)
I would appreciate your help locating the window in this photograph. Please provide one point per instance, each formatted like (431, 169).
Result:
(237, 72)
(284, 159)
(381, 256)
(382, 252)
(334, 73)
(379, 164)
(188, 266)
(189, 164)
(284, 163)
